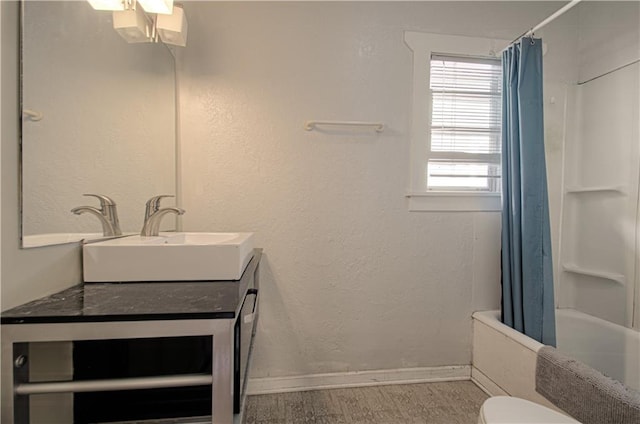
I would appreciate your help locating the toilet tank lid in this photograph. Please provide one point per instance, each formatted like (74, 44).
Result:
(511, 410)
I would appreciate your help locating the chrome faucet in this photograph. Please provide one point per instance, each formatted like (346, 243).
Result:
(153, 214)
(107, 214)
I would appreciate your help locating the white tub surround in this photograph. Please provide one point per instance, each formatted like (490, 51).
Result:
(597, 250)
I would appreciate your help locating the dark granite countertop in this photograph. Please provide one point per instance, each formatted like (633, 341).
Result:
(100, 302)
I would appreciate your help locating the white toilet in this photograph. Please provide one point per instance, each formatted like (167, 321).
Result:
(511, 410)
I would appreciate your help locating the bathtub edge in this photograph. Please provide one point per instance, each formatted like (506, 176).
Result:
(492, 319)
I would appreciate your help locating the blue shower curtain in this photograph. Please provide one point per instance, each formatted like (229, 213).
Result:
(527, 276)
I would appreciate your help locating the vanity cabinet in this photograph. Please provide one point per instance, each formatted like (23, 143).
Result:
(212, 323)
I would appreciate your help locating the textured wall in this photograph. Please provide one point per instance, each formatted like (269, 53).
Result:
(108, 123)
(351, 279)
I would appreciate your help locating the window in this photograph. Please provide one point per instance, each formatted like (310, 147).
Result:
(455, 135)
(464, 152)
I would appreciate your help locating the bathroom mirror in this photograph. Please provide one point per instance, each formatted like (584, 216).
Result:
(98, 117)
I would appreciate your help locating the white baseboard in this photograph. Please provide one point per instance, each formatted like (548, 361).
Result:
(486, 384)
(258, 386)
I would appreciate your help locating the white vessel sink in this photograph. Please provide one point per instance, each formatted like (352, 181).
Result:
(168, 257)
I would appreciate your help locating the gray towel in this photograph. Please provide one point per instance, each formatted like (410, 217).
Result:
(586, 394)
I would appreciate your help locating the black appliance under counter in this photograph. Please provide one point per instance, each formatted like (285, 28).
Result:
(154, 335)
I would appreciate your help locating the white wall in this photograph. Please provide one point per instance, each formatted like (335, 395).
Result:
(26, 274)
(351, 279)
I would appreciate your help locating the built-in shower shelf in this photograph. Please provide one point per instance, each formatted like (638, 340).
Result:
(596, 189)
(611, 276)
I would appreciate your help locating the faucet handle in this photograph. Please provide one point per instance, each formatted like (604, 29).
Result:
(155, 200)
(104, 200)
(153, 205)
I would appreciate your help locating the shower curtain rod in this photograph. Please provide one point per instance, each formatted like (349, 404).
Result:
(557, 14)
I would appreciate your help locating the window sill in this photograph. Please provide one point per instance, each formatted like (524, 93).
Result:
(451, 201)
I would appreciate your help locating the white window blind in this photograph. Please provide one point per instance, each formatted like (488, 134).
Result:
(464, 151)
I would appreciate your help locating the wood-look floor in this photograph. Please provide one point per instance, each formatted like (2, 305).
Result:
(455, 402)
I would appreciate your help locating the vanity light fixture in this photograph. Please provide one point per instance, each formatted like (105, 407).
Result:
(157, 6)
(149, 6)
(132, 25)
(154, 19)
(173, 28)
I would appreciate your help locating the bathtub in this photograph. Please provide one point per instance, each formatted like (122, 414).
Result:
(504, 360)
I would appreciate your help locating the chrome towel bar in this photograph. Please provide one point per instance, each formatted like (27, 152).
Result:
(107, 385)
(378, 126)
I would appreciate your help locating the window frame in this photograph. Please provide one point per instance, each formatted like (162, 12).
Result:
(424, 45)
